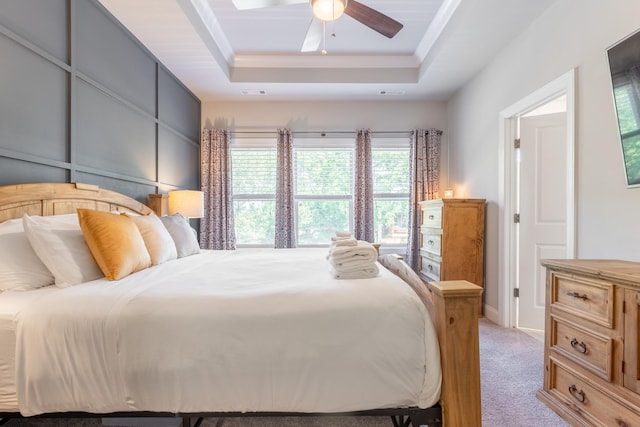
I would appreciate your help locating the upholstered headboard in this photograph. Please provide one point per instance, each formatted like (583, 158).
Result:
(57, 199)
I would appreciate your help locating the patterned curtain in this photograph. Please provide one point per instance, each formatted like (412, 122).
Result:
(363, 197)
(424, 166)
(216, 228)
(285, 227)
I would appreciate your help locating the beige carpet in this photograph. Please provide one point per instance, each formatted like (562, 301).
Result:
(511, 372)
(511, 365)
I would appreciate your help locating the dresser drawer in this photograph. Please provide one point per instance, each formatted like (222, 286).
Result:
(582, 346)
(432, 216)
(430, 268)
(585, 298)
(592, 404)
(432, 243)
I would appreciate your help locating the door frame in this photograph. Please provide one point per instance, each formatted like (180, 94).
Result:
(507, 189)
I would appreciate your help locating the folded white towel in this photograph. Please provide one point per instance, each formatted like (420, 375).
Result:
(343, 234)
(351, 264)
(348, 258)
(362, 249)
(344, 242)
(364, 273)
(341, 243)
(340, 238)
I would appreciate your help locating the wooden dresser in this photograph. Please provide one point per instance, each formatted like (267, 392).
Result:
(592, 366)
(452, 245)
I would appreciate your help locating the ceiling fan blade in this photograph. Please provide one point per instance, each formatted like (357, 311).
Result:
(314, 36)
(259, 4)
(373, 19)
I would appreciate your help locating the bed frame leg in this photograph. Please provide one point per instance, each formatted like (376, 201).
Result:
(400, 421)
(186, 422)
(420, 421)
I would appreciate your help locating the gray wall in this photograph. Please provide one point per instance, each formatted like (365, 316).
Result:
(81, 100)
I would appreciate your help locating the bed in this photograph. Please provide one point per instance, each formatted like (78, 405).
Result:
(279, 337)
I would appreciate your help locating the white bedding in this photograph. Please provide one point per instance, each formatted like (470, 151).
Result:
(10, 305)
(228, 331)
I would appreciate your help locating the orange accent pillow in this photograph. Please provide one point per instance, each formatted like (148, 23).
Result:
(115, 242)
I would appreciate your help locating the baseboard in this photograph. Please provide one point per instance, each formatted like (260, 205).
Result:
(492, 314)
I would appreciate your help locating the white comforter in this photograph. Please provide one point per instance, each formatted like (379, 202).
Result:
(245, 330)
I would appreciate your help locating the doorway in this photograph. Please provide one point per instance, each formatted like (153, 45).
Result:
(537, 199)
(541, 198)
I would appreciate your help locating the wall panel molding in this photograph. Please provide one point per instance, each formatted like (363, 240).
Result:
(33, 159)
(34, 48)
(132, 159)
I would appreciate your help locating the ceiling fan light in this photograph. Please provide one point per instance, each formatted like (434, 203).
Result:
(328, 10)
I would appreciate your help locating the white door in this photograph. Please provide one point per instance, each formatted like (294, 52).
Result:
(543, 209)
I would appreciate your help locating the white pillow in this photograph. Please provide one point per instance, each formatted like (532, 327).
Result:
(61, 246)
(156, 238)
(182, 234)
(20, 267)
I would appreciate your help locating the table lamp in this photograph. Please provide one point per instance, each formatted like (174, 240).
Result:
(188, 203)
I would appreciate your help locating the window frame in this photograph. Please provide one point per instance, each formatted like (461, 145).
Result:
(392, 144)
(320, 144)
(252, 144)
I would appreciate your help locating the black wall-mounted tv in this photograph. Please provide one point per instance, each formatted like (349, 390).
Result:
(624, 64)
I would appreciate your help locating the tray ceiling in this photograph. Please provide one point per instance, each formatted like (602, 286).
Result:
(222, 53)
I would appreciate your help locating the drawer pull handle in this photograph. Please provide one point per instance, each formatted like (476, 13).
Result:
(432, 217)
(430, 242)
(578, 296)
(578, 395)
(430, 267)
(580, 347)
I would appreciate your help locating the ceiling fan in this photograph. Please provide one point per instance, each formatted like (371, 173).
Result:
(330, 10)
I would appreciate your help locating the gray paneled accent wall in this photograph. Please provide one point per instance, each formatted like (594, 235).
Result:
(81, 100)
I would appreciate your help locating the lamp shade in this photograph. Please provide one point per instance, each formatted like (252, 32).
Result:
(188, 203)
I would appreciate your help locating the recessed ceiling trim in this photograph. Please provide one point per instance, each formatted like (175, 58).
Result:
(207, 26)
(325, 75)
(325, 61)
(264, 3)
(440, 21)
(304, 68)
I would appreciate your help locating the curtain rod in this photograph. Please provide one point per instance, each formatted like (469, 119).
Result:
(323, 133)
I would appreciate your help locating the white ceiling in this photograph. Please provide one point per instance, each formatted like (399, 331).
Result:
(220, 52)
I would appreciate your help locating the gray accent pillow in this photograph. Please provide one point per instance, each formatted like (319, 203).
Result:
(182, 234)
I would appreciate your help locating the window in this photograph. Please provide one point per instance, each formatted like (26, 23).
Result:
(323, 190)
(323, 195)
(254, 194)
(391, 189)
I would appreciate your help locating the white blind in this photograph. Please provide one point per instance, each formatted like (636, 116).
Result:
(323, 172)
(253, 172)
(390, 171)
